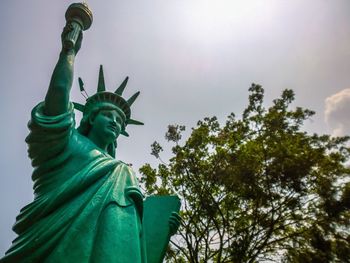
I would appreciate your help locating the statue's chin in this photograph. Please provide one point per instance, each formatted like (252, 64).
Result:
(109, 136)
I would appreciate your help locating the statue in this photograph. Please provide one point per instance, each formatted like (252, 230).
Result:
(87, 205)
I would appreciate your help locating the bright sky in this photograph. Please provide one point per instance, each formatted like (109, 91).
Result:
(189, 58)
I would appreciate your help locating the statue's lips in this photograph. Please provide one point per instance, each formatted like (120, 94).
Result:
(112, 128)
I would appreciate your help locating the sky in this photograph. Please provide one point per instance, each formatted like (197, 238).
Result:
(189, 58)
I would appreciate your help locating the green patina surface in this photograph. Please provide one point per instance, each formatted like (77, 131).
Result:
(87, 206)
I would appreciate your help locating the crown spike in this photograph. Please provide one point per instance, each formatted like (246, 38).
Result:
(81, 84)
(120, 89)
(82, 90)
(134, 122)
(133, 98)
(79, 106)
(125, 133)
(101, 81)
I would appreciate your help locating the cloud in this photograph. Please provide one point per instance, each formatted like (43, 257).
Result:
(337, 112)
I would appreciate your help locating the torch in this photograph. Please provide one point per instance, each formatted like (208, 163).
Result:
(79, 16)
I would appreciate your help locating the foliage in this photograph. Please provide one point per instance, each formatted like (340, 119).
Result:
(257, 188)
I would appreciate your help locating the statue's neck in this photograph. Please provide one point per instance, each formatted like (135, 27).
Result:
(99, 142)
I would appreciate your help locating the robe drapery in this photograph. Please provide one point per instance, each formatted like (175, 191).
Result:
(87, 206)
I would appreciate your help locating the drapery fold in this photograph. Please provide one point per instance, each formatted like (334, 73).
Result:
(86, 203)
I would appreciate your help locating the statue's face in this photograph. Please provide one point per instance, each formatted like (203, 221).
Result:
(107, 125)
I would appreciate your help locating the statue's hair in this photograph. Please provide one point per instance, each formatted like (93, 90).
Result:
(85, 126)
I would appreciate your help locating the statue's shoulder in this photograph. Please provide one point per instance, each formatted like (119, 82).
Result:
(125, 165)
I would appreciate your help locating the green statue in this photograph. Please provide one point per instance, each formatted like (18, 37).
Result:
(87, 205)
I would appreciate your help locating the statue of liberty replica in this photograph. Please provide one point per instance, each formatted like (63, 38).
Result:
(87, 205)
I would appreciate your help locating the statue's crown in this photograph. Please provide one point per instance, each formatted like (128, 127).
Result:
(102, 98)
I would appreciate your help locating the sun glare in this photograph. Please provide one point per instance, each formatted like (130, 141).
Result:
(209, 20)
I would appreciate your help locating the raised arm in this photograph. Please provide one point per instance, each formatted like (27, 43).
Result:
(57, 96)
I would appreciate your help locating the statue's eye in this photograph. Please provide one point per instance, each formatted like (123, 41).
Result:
(107, 114)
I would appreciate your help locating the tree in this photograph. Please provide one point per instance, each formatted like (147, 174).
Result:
(257, 188)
